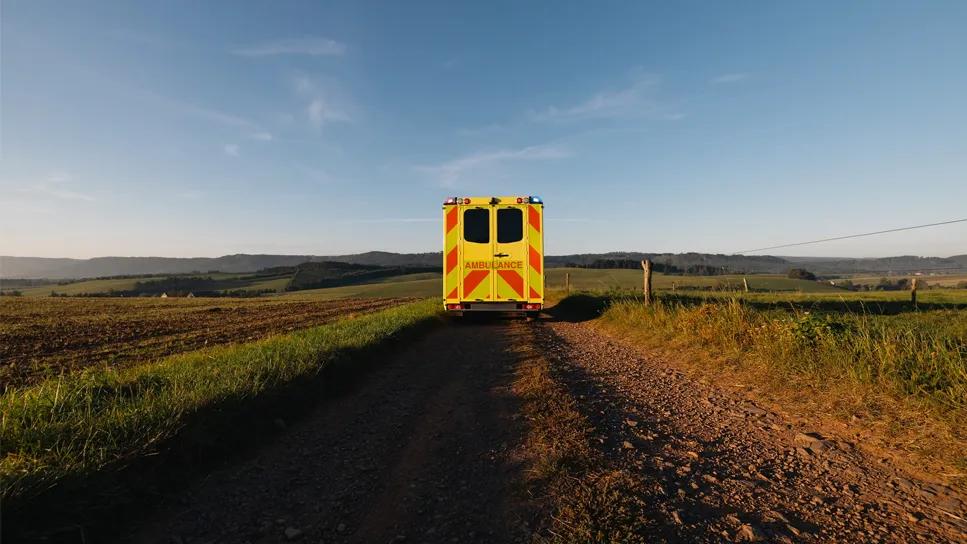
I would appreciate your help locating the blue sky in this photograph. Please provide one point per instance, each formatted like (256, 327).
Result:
(208, 128)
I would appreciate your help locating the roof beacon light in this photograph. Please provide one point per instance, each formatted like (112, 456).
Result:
(451, 200)
(536, 200)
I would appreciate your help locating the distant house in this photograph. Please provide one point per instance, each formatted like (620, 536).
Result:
(164, 295)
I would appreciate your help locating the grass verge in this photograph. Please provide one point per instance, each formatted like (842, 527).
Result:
(894, 383)
(585, 501)
(59, 435)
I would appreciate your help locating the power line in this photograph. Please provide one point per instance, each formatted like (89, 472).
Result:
(852, 236)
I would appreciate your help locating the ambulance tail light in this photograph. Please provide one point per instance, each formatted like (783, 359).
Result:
(454, 306)
(532, 306)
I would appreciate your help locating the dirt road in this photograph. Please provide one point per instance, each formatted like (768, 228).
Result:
(431, 447)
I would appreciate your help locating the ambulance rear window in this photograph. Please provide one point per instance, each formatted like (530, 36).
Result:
(510, 225)
(476, 226)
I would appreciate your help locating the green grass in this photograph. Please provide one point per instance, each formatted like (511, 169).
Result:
(275, 284)
(588, 279)
(868, 355)
(410, 285)
(227, 281)
(416, 285)
(81, 423)
(428, 284)
(81, 287)
(945, 280)
(871, 300)
(920, 355)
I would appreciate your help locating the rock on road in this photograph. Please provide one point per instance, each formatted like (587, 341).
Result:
(425, 449)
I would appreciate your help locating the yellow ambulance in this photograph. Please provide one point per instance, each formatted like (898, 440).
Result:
(493, 254)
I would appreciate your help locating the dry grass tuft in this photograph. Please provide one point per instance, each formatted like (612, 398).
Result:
(896, 385)
(585, 501)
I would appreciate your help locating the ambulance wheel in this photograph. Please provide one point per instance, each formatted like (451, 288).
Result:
(533, 316)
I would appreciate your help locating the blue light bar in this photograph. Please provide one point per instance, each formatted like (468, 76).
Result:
(536, 200)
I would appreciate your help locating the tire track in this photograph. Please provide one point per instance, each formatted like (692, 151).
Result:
(716, 468)
(420, 451)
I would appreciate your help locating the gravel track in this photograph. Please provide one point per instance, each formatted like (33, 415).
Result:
(427, 448)
(716, 467)
(419, 451)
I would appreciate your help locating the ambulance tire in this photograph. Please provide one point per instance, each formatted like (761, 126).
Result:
(533, 316)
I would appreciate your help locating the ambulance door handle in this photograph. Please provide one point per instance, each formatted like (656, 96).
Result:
(501, 254)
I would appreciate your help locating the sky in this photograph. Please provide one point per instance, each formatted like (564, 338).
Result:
(185, 128)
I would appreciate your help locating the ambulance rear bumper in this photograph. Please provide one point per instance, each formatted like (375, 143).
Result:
(493, 307)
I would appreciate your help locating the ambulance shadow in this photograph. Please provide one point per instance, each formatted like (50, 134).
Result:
(576, 309)
(483, 318)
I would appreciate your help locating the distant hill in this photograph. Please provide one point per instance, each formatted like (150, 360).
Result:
(906, 263)
(39, 267)
(703, 263)
(314, 275)
(961, 259)
(707, 262)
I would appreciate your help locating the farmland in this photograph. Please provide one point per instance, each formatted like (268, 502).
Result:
(42, 337)
(426, 284)
(604, 279)
(942, 280)
(95, 384)
(867, 359)
(217, 281)
(304, 276)
(377, 282)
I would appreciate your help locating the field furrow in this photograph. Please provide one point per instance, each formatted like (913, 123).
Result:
(44, 337)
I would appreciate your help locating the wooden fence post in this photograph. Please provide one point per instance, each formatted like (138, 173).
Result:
(913, 292)
(567, 283)
(745, 284)
(646, 280)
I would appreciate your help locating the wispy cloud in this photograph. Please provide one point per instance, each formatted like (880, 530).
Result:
(262, 136)
(51, 188)
(210, 114)
(450, 172)
(635, 100)
(230, 149)
(190, 195)
(61, 193)
(733, 77)
(322, 107)
(320, 112)
(310, 45)
(396, 220)
(484, 130)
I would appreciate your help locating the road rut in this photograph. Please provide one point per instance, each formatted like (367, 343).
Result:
(429, 447)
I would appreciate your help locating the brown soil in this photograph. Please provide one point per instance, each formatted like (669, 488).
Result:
(421, 451)
(40, 337)
(450, 441)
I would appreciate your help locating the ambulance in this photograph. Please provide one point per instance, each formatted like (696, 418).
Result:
(493, 254)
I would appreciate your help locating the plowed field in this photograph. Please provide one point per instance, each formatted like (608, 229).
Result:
(41, 337)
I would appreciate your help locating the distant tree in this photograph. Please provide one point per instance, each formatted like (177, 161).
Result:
(801, 274)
